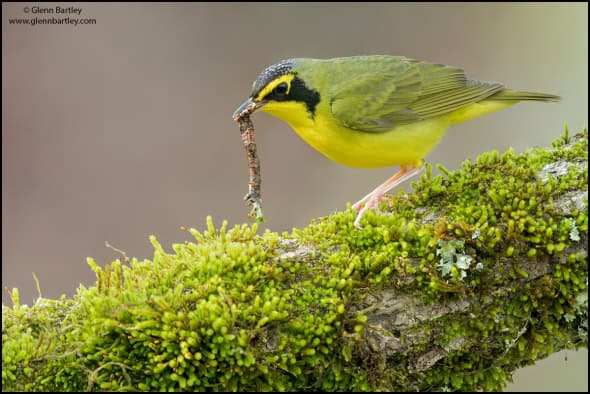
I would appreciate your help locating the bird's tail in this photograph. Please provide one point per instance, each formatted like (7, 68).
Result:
(499, 100)
(507, 94)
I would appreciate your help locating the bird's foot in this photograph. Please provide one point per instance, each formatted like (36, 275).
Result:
(357, 206)
(372, 199)
(371, 202)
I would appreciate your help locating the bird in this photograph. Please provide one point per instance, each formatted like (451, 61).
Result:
(376, 111)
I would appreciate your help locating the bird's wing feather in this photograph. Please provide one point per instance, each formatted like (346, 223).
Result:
(403, 91)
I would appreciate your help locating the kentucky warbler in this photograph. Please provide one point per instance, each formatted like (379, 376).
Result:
(376, 111)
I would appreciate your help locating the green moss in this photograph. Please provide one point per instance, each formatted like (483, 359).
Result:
(231, 310)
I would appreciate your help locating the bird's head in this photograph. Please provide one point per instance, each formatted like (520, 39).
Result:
(281, 91)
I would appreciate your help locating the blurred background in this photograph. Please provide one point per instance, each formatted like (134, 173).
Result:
(121, 129)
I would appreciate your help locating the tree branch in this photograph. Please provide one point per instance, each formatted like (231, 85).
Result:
(467, 278)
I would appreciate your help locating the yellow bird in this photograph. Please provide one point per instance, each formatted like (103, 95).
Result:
(376, 111)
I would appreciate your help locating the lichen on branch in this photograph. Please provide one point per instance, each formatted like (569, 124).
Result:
(474, 274)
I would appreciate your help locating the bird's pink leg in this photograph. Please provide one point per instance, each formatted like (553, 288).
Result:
(372, 199)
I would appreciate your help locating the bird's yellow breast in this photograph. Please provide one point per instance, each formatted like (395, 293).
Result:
(404, 144)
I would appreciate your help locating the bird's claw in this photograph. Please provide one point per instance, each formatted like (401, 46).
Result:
(371, 203)
(372, 200)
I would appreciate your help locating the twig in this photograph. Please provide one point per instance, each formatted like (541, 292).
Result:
(253, 197)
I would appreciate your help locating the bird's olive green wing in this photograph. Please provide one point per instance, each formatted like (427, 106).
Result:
(395, 91)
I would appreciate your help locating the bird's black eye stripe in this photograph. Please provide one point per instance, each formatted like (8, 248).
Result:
(281, 89)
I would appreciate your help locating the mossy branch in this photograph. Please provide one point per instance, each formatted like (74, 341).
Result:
(472, 275)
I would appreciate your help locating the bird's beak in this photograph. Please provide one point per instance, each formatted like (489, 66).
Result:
(248, 106)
